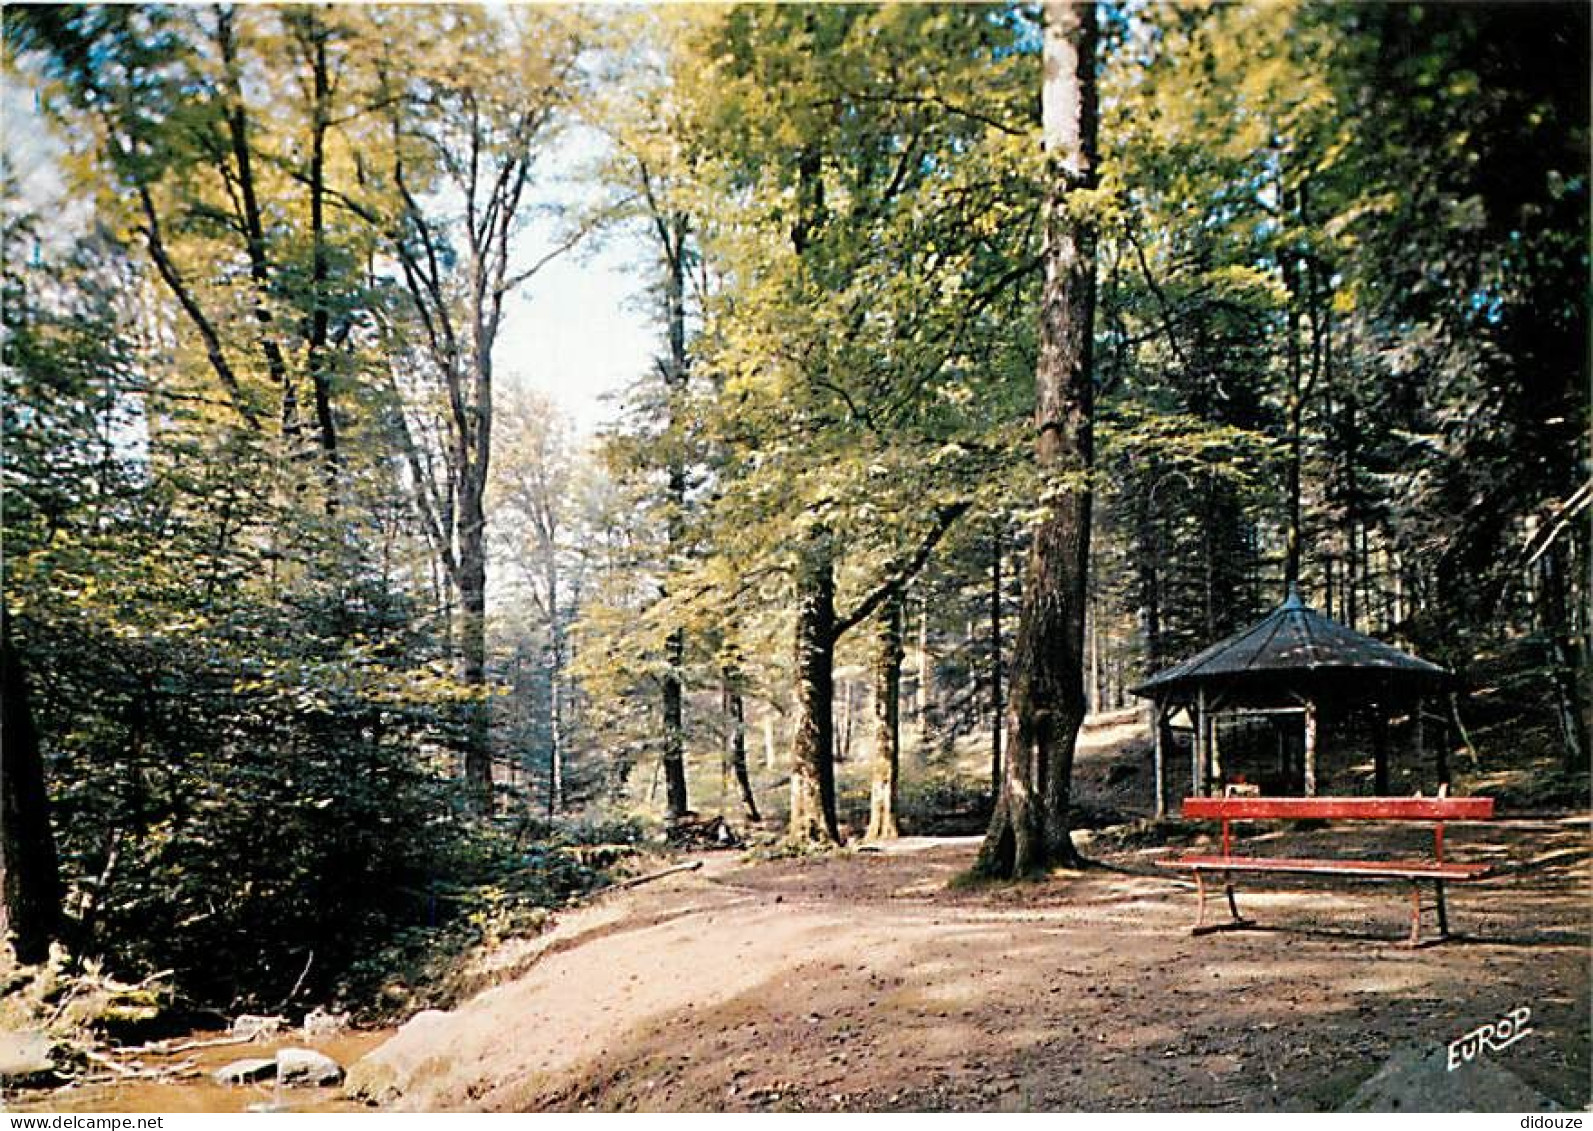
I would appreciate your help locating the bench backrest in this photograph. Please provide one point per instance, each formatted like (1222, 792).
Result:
(1339, 808)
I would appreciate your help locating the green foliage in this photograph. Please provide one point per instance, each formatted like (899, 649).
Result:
(1343, 265)
(247, 724)
(860, 194)
(1472, 285)
(501, 883)
(1360, 227)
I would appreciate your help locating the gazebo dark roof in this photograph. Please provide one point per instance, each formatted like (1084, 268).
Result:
(1292, 640)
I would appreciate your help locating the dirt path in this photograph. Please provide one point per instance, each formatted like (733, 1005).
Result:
(861, 982)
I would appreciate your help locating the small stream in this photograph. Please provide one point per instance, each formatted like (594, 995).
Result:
(200, 1093)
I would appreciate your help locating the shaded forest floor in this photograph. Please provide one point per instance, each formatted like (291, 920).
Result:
(862, 981)
(867, 980)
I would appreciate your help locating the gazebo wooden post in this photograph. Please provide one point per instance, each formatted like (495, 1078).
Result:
(1310, 747)
(1214, 745)
(1198, 773)
(1157, 713)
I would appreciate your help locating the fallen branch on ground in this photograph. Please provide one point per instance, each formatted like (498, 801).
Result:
(121, 1074)
(161, 1048)
(689, 866)
(106, 1062)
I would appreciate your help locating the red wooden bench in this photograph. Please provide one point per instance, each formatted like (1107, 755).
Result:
(1436, 871)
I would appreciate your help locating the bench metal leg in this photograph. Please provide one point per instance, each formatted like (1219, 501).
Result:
(1233, 907)
(1416, 913)
(1236, 920)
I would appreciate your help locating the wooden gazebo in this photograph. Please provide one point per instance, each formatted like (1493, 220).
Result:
(1286, 664)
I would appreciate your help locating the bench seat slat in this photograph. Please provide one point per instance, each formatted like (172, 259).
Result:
(1339, 808)
(1395, 869)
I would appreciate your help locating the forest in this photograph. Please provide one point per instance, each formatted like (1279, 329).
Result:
(331, 645)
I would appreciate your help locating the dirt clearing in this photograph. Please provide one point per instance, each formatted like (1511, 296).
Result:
(861, 981)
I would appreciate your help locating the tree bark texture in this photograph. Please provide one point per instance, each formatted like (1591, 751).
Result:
(812, 818)
(1030, 828)
(997, 692)
(1294, 468)
(675, 726)
(882, 823)
(473, 644)
(673, 239)
(317, 360)
(923, 694)
(556, 664)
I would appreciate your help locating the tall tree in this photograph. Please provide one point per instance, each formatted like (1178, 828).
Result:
(1477, 130)
(30, 884)
(658, 449)
(882, 821)
(735, 708)
(879, 227)
(673, 227)
(812, 815)
(530, 494)
(1031, 825)
(202, 164)
(469, 98)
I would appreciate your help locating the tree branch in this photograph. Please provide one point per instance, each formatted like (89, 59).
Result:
(945, 517)
(179, 289)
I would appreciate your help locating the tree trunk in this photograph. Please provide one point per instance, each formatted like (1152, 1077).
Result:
(1151, 541)
(736, 712)
(674, 245)
(252, 223)
(675, 726)
(813, 818)
(317, 361)
(473, 450)
(923, 697)
(1094, 693)
(843, 745)
(998, 710)
(1058, 680)
(473, 645)
(1030, 828)
(30, 884)
(556, 662)
(882, 824)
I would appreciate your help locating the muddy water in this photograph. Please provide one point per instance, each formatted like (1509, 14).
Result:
(199, 1093)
